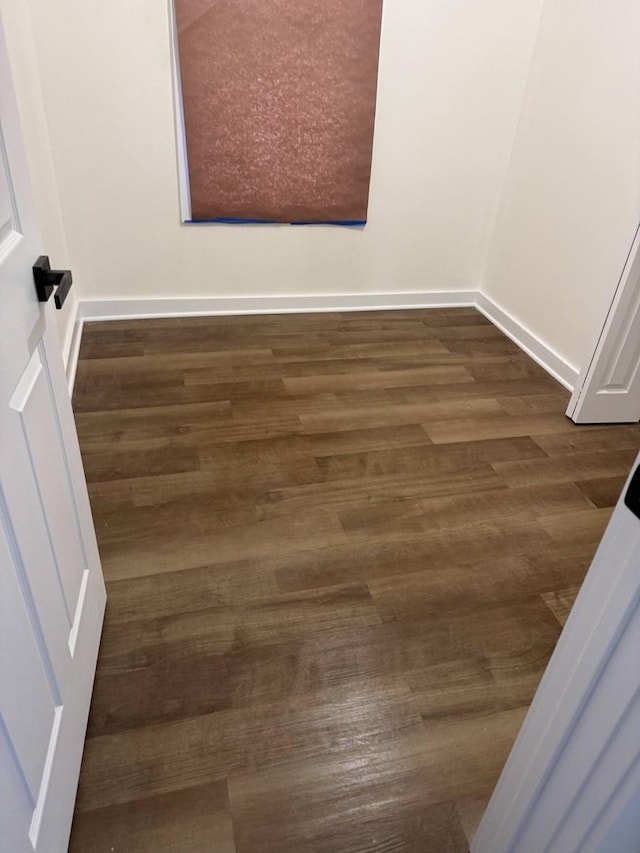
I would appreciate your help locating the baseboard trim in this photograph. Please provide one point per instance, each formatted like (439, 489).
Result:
(74, 351)
(141, 309)
(66, 344)
(548, 359)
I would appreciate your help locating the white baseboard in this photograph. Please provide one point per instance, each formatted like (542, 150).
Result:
(71, 344)
(74, 351)
(66, 343)
(565, 373)
(136, 309)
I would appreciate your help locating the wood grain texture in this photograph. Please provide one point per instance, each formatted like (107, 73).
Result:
(194, 819)
(339, 551)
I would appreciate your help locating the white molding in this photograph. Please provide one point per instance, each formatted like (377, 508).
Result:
(74, 351)
(134, 309)
(71, 344)
(67, 344)
(566, 374)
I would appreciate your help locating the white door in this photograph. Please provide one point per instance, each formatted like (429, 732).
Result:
(51, 588)
(608, 390)
(572, 781)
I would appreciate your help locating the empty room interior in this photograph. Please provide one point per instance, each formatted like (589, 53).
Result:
(320, 402)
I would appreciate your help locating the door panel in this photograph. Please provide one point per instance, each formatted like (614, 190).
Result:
(608, 389)
(26, 531)
(20, 801)
(9, 229)
(51, 588)
(28, 710)
(33, 403)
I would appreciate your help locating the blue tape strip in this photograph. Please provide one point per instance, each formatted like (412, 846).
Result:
(347, 223)
(225, 220)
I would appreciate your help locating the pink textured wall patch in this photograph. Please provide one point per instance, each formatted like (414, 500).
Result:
(279, 102)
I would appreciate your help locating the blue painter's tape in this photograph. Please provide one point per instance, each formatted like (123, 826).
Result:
(224, 220)
(347, 223)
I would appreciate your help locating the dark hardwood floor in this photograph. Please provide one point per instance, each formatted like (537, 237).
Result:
(339, 549)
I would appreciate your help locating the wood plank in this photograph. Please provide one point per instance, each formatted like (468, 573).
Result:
(574, 466)
(496, 425)
(194, 819)
(101, 466)
(373, 553)
(399, 415)
(593, 439)
(440, 374)
(585, 527)
(536, 404)
(496, 389)
(462, 510)
(430, 459)
(339, 493)
(158, 549)
(170, 594)
(604, 491)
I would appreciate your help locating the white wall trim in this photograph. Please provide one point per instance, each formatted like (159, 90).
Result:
(71, 344)
(132, 309)
(73, 352)
(137, 309)
(566, 374)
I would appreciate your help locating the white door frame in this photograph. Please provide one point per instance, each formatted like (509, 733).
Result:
(573, 777)
(608, 388)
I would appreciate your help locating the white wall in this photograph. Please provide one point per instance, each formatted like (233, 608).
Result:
(451, 82)
(572, 198)
(25, 68)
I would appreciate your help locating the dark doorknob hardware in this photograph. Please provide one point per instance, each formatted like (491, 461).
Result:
(632, 497)
(48, 280)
